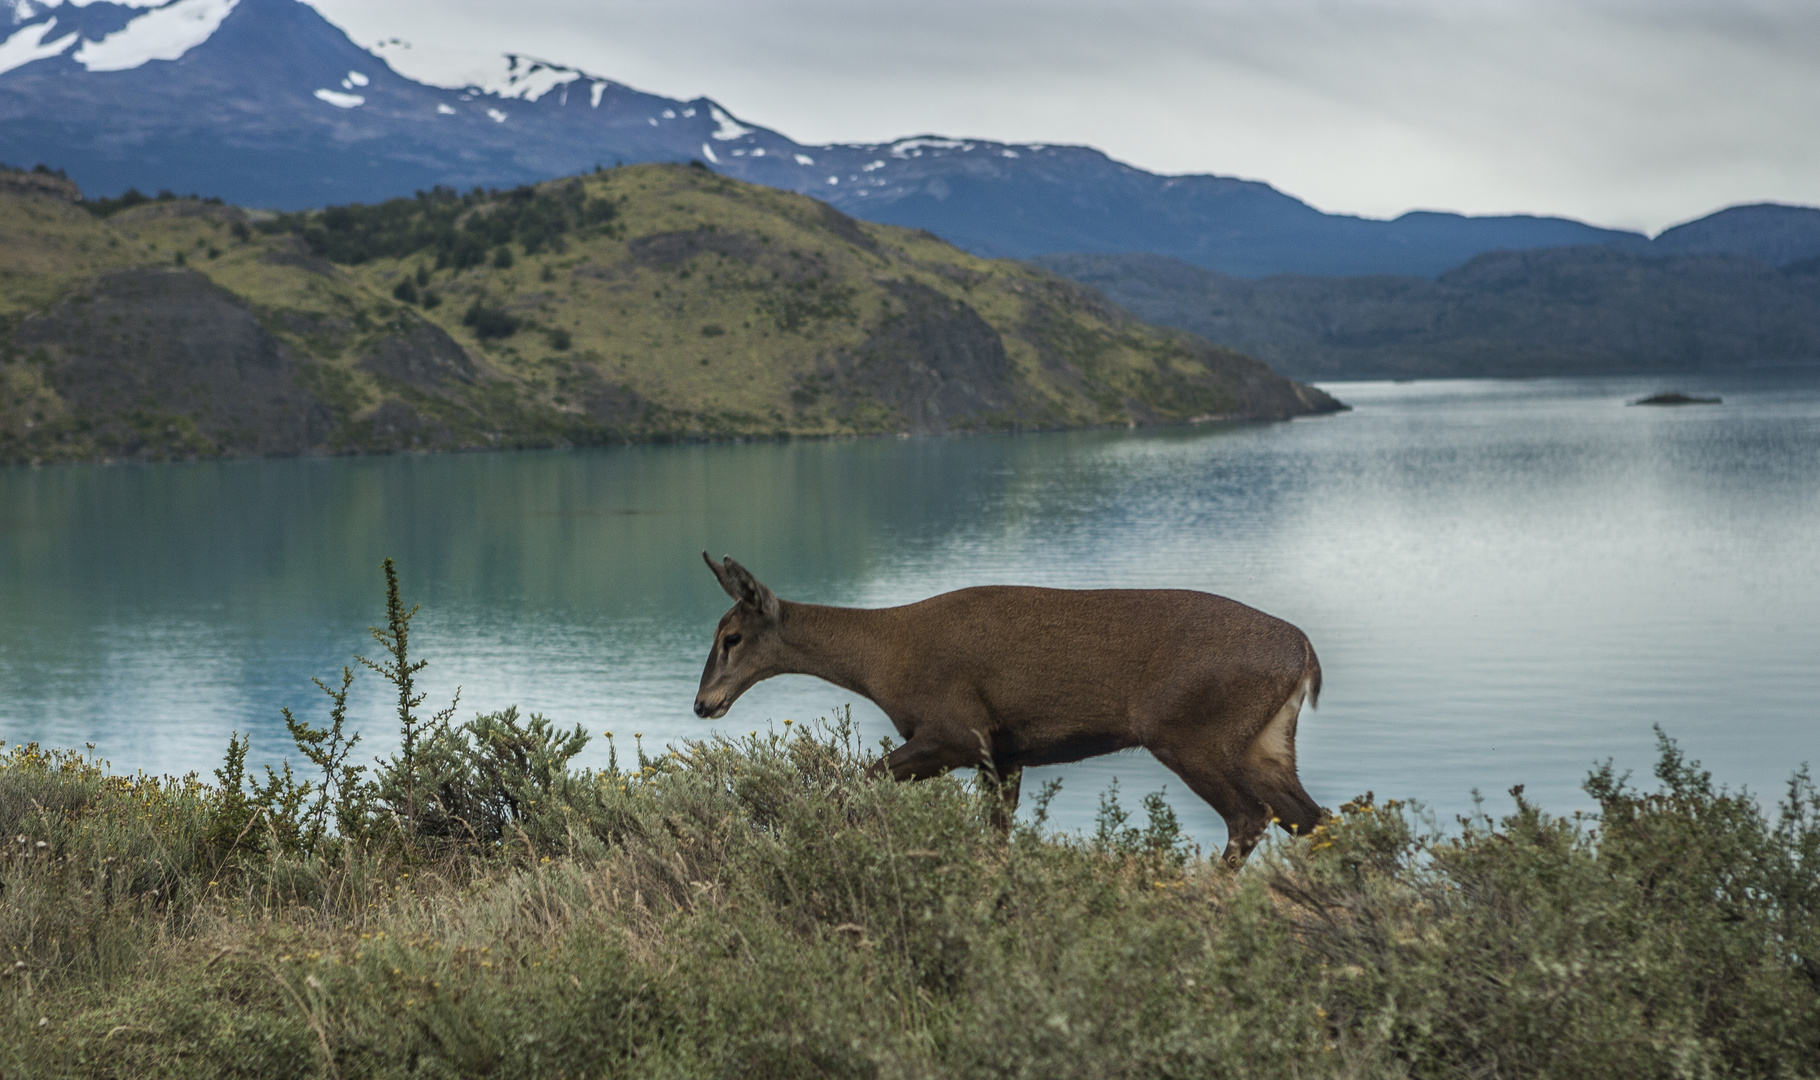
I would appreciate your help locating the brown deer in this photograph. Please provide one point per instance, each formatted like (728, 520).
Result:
(1009, 677)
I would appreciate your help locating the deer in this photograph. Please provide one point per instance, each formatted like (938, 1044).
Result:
(1008, 677)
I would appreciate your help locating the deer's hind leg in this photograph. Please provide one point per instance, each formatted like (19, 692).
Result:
(1243, 764)
(1270, 764)
(1217, 776)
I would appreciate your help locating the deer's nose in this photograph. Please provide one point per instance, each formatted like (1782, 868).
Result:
(701, 708)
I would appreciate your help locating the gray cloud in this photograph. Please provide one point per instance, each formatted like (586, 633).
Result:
(1632, 114)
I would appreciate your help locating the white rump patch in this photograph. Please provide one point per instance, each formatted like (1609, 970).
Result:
(164, 33)
(1275, 745)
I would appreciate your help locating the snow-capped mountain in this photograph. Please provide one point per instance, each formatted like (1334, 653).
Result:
(265, 103)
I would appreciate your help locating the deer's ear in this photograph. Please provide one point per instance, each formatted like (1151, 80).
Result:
(752, 592)
(721, 575)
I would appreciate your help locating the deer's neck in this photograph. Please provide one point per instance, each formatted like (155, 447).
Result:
(849, 647)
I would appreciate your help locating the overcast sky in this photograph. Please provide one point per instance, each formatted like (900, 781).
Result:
(1635, 114)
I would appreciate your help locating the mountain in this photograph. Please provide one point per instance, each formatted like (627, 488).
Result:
(1580, 310)
(1771, 232)
(649, 302)
(264, 103)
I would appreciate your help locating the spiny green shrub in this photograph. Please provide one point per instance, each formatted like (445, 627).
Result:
(489, 320)
(761, 906)
(462, 230)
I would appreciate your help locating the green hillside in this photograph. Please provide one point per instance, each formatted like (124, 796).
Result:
(644, 303)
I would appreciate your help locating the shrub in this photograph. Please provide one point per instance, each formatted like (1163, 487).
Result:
(127, 199)
(761, 906)
(489, 321)
(462, 230)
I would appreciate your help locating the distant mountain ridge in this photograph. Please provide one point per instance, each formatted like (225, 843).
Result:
(265, 103)
(1560, 311)
(1772, 232)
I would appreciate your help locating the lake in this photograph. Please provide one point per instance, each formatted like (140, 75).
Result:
(1506, 581)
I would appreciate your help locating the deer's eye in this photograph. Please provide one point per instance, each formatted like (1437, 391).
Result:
(729, 641)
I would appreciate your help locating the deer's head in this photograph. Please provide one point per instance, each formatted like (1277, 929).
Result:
(745, 643)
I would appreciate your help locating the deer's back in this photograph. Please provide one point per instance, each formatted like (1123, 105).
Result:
(1093, 653)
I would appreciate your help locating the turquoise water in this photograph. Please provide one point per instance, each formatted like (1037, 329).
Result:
(1506, 581)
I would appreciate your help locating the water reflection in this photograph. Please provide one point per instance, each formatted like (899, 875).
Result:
(1506, 580)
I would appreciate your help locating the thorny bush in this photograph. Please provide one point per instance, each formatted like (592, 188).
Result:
(473, 906)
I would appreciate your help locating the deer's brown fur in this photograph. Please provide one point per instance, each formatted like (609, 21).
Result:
(1012, 676)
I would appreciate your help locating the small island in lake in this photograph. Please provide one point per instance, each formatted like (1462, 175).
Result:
(1675, 397)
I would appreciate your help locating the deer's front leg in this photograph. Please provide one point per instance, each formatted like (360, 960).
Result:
(926, 755)
(932, 751)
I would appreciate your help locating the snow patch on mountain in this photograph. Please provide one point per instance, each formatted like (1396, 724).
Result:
(528, 79)
(164, 33)
(24, 10)
(340, 100)
(29, 44)
(46, 5)
(915, 147)
(729, 128)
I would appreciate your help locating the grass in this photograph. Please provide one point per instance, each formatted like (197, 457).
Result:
(757, 907)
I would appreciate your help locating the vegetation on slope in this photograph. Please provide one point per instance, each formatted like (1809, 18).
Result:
(472, 906)
(649, 302)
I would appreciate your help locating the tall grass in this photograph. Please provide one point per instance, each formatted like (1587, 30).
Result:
(757, 907)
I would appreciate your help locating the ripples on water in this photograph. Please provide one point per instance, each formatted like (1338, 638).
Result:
(1506, 581)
